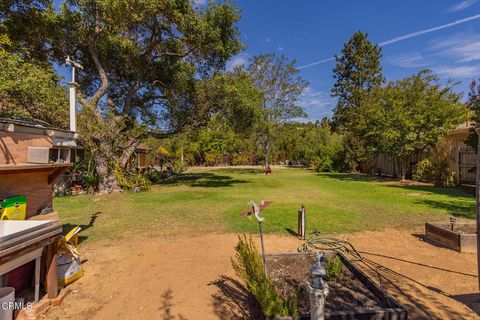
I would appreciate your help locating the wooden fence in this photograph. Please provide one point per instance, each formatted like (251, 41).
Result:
(462, 161)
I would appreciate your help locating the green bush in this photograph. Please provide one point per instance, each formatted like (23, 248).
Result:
(249, 267)
(154, 176)
(179, 166)
(423, 171)
(132, 180)
(436, 168)
(213, 158)
(333, 269)
(240, 159)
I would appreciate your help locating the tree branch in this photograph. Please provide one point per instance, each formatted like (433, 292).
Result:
(101, 72)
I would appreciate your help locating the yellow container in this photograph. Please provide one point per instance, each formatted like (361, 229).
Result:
(13, 208)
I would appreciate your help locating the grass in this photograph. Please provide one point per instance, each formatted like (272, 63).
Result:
(208, 200)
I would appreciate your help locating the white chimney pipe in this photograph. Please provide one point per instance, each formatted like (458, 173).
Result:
(73, 102)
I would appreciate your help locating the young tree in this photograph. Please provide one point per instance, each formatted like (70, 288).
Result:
(141, 60)
(281, 86)
(409, 115)
(357, 73)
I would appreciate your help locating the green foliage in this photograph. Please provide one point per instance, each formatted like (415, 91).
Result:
(357, 73)
(473, 105)
(249, 267)
(422, 171)
(309, 144)
(278, 80)
(132, 180)
(436, 168)
(84, 172)
(409, 115)
(30, 91)
(333, 268)
(179, 166)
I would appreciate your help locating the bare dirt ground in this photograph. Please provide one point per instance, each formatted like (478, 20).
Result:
(190, 277)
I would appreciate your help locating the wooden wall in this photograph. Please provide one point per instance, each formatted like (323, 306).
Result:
(33, 185)
(14, 146)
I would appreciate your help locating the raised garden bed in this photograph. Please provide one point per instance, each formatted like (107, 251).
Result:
(460, 236)
(352, 296)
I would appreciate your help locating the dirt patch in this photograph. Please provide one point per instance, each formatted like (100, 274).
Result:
(190, 277)
(290, 274)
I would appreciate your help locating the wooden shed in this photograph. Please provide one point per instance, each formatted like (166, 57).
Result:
(32, 156)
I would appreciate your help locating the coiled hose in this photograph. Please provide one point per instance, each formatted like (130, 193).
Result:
(318, 243)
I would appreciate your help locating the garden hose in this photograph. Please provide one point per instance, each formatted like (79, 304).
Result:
(317, 243)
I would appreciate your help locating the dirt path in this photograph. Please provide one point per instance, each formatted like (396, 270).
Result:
(191, 278)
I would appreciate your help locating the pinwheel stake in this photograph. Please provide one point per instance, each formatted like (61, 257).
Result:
(256, 210)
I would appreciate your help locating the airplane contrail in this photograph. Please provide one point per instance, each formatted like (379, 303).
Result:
(404, 37)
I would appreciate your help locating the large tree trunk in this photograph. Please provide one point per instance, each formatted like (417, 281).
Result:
(107, 183)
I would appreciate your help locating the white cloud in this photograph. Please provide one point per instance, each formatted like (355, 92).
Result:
(408, 60)
(462, 47)
(405, 37)
(317, 104)
(280, 48)
(237, 60)
(462, 5)
(458, 72)
(267, 40)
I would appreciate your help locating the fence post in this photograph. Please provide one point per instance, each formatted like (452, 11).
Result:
(457, 166)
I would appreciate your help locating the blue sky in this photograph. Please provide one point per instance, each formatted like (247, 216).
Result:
(313, 30)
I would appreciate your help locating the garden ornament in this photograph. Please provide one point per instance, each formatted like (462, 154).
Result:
(317, 288)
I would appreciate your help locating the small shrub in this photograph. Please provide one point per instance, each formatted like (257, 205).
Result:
(154, 176)
(179, 166)
(249, 267)
(333, 269)
(240, 160)
(423, 171)
(213, 158)
(436, 169)
(132, 180)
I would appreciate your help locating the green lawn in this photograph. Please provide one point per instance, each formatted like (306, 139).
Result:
(207, 200)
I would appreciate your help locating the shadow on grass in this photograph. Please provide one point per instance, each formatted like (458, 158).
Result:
(457, 208)
(204, 179)
(353, 177)
(241, 170)
(457, 203)
(69, 226)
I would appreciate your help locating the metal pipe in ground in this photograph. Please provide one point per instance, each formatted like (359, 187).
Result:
(263, 250)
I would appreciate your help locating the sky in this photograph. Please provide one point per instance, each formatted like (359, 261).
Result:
(440, 35)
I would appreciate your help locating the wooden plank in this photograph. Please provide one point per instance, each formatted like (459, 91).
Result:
(442, 232)
(52, 281)
(37, 278)
(28, 239)
(24, 248)
(19, 261)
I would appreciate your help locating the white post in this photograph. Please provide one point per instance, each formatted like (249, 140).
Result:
(73, 85)
(73, 107)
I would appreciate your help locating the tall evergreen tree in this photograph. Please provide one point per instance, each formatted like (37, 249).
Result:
(357, 72)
